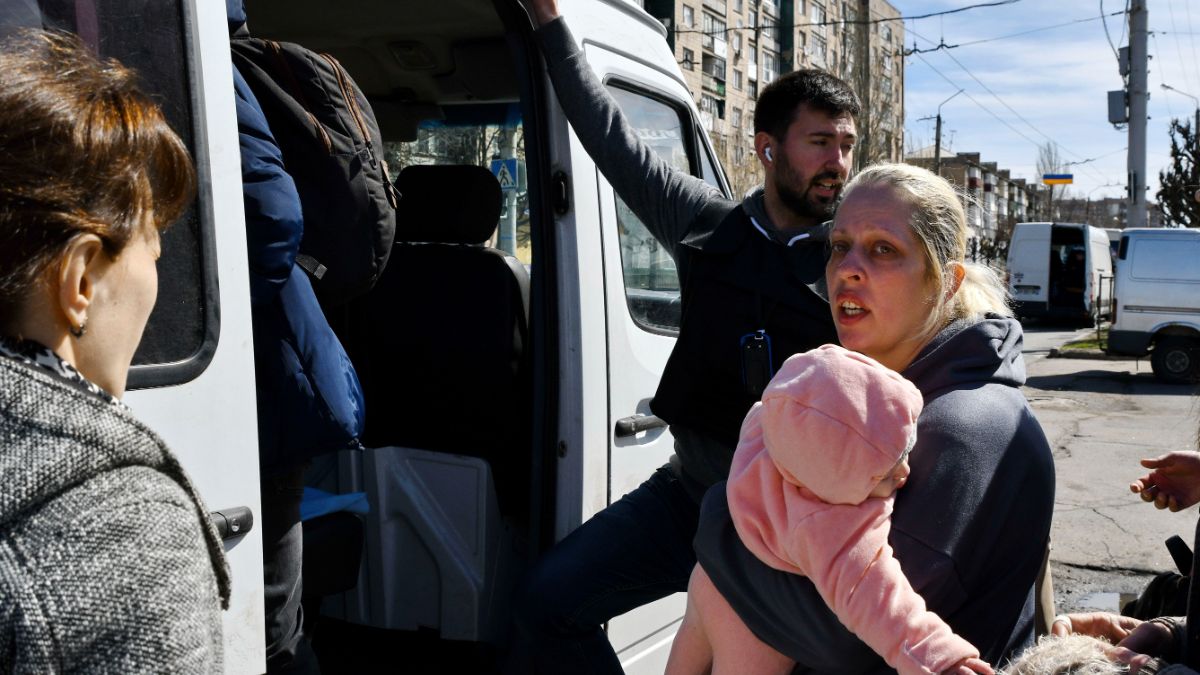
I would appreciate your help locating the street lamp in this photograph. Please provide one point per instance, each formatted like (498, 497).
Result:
(937, 140)
(1087, 207)
(1196, 128)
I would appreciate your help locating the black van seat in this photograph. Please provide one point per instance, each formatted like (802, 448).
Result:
(440, 347)
(439, 343)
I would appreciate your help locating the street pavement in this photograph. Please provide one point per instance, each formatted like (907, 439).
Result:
(1101, 417)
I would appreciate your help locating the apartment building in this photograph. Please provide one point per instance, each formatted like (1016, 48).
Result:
(730, 49)
(994, 201)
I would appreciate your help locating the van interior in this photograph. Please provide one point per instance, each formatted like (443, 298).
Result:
(1068, 268)
(452, 344)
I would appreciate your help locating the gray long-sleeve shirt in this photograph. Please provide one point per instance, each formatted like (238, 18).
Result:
(669, 202)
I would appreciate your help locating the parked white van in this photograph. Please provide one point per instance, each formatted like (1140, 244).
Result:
(457, 510)
(1060, 271)
(1157, 301)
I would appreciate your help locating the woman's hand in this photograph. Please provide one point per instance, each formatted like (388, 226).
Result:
(970, 666)
(1148, 640)
(1174, 482)
(1111, 627)
(544, 11)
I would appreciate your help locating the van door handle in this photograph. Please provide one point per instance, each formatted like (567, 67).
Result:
(233, 522)
(636, 424)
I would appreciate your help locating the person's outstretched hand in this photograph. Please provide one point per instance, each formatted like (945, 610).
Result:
(971, 666)
(1148, 640)
(1174, 482)
(544, 11)
(1111, 627)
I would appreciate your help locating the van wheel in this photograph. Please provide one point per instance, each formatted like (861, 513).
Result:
(1176, 359)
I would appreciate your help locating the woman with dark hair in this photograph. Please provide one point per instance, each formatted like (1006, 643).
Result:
(108, 561)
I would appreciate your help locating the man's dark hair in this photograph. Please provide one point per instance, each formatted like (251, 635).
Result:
(817, 89)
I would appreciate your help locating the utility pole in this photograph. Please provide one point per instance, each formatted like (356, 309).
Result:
(1138, 95)
(864, 82)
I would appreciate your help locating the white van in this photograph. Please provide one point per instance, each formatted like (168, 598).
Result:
(1060, 271)
(1157, 301)
(458, 82)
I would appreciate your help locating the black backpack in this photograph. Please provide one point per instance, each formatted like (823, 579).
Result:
(333, 150)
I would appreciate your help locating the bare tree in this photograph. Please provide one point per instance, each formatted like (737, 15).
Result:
(1049, 161)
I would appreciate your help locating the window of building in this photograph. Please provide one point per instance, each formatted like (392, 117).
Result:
(737, 80)
(752, 89)
(885, 31)
(818, 49)
(735, 119)
(816, 16)
(689, 16)
(770, 67)
(689, 59)
(737, 5)
(651, 281)
(770, 27)
(712, 105)
(752, 19)
(714, 73)
(737, 43)
(886, 60)
(714, 31)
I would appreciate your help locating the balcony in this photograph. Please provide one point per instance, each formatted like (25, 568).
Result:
(713, 84)
(717, 6)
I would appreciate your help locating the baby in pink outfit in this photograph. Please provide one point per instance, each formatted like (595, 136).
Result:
(811, 491)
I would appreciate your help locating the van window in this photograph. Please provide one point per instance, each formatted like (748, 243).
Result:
(148, 36)
(651, 280)
(1166, 260)
(490, 135)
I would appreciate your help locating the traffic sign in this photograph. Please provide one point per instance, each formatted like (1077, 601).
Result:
(1058, 178)
(505, 171)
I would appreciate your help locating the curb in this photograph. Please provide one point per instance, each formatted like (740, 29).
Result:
(1094, 354)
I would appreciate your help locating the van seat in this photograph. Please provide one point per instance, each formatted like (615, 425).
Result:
(440, 342)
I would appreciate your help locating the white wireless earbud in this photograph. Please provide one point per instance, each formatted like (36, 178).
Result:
(767, 154)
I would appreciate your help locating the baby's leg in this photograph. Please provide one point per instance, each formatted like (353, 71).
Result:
(691, 653)
(729, 645)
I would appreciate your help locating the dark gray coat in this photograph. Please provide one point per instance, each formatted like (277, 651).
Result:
(969, 528)
(108, 562)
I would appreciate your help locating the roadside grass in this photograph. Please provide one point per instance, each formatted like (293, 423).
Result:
(1094, 340)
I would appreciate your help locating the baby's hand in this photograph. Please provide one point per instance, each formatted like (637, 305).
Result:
(971, 666)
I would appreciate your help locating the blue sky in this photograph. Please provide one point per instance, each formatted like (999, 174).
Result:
(1050, 83)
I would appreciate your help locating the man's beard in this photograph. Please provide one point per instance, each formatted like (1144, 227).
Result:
(799, 202)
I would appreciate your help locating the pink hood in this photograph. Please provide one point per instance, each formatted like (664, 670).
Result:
(836, 422)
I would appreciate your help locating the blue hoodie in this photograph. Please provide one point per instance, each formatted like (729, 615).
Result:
(309, 398)
(970, 527)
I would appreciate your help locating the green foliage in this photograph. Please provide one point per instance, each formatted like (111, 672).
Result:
(1176, 195)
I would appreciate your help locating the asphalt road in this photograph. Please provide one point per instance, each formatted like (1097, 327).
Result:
(1101, 417)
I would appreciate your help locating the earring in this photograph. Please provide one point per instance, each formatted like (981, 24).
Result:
(79, 332)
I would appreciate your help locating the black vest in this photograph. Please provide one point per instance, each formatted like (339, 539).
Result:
(734, 282)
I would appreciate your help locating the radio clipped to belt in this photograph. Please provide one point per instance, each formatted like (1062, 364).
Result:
(757, 368)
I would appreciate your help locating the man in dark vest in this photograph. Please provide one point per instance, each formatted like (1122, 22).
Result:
(751, 275)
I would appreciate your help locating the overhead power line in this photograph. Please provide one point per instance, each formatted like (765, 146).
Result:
(1006, 105)
(942, 46)
(842, 22)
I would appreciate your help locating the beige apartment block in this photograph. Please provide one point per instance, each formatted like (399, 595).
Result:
(730, 49)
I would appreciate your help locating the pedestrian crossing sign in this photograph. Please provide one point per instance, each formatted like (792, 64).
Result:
(505, 171)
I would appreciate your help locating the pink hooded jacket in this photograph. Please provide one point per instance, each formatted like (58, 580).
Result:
(833, 423)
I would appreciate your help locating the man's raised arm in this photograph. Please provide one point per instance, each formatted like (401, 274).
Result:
(667, 201)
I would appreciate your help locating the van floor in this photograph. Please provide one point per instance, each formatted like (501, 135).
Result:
(343, 647)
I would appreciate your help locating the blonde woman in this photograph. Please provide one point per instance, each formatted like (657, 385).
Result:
(971, 525)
